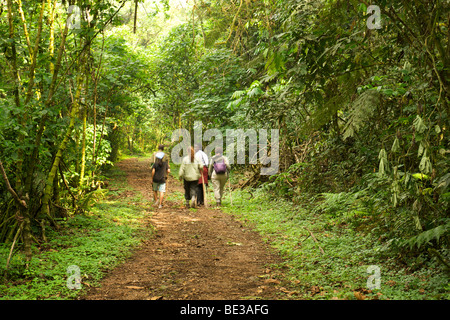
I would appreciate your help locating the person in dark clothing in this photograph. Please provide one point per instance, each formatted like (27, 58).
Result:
(203, 158)
(190, 172)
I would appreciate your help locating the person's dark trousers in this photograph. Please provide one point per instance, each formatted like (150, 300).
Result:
(200, 194)
(190, 189)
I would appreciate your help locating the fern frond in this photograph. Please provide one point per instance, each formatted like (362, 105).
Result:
(425, 238)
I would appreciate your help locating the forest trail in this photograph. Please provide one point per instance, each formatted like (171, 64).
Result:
(195, 254)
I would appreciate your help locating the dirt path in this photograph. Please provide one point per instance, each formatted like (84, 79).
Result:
(195, 254)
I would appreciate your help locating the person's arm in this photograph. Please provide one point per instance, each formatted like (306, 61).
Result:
(205, 159)
(152, 160)
(153, 173)
(167, 177)
(227, 163)
(210, 169)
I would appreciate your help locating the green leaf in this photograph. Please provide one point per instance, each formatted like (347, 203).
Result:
(382, 154)
(421, 149)
(419, 124)
(425, 164)
(420, 176)
(238, 94)
(395, 145)
(427, 236)
(256, 91)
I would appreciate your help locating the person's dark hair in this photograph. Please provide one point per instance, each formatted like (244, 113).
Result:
(158, 162)
(161, 147)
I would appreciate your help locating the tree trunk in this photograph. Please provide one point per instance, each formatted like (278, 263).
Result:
(21, 204)
(45, 210)
(94, 107)
(23, 214)
(25, 29)
(26, 234)
(83, 134)
(83, 148)
(135, 15)
(51, 20)
(54, 70)
(16, 77)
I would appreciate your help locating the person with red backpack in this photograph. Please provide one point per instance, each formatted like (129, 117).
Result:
(203, 181)
(219, 168)
(190, 171)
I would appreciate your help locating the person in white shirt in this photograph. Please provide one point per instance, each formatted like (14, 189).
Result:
(203, 158)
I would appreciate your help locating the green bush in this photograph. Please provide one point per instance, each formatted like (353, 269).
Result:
(95, 242)
(348, 245)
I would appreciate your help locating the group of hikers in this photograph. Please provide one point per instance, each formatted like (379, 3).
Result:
(196, 171)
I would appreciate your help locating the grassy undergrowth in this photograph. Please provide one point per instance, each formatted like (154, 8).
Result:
(341, 271)
(95, 242)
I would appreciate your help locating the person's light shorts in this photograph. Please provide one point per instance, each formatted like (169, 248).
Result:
(161, 187)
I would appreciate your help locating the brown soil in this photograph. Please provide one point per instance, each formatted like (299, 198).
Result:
(193, 254)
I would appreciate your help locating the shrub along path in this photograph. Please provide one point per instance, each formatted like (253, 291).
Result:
(194, 253)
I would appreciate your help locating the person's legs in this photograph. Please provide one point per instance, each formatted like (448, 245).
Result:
(205, 193)
(200, 197)
(162, 190)
(193, 193)
(155, 192)
(221, 180)
(222, 184)
(202, 181)
(161, 198)
(216, 188)
(187, 192)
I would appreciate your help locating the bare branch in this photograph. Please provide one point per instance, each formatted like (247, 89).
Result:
(10, 189)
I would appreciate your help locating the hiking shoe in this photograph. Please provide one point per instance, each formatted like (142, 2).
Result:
(160, 206)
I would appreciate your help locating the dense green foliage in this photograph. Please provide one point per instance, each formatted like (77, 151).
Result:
(95, 242)
(334, 261)
(360, 111)
(67, 106)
